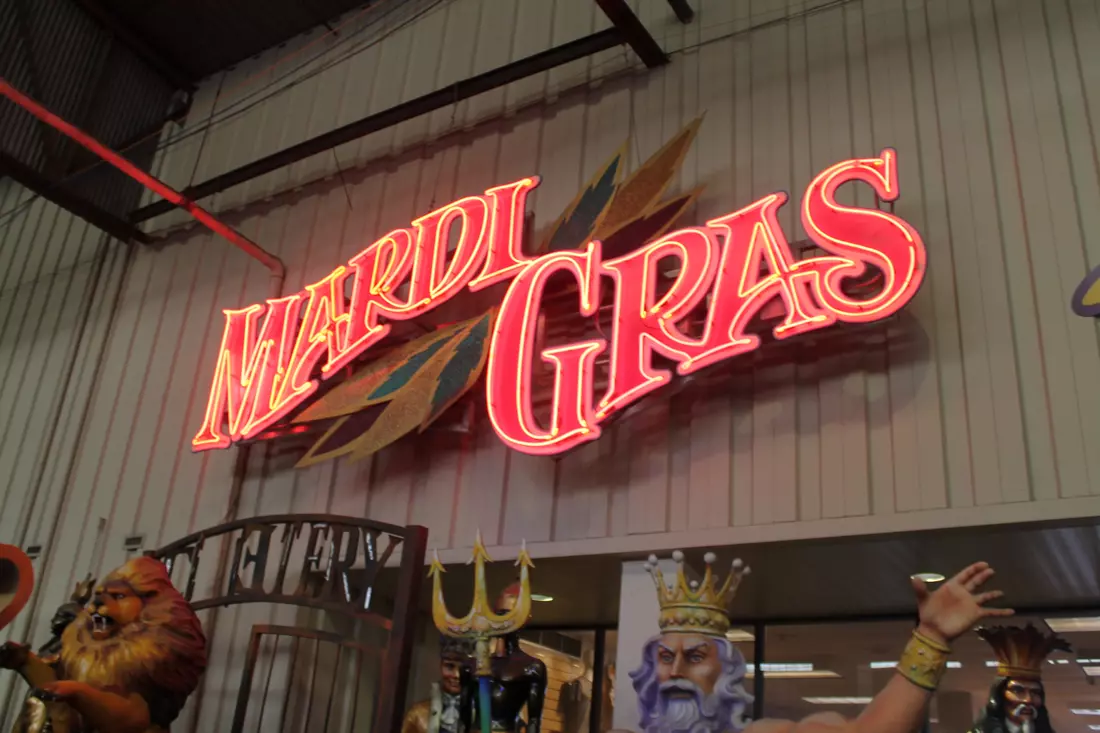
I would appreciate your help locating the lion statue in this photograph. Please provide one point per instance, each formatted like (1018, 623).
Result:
(127, 663)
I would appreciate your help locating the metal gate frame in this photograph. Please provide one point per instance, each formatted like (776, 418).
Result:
(259, 631)
(334, 594)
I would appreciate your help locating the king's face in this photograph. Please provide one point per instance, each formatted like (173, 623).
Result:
(1023, 698)
(692, 657)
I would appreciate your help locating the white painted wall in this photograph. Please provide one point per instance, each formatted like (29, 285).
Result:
(990, 103)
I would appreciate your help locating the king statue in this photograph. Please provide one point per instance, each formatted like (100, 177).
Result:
(691, 676)
(690, 680)
(1016, 699)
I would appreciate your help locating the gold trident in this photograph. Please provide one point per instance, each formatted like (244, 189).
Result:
(481, 624)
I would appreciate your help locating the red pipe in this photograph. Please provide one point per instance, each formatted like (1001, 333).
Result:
(270, 261)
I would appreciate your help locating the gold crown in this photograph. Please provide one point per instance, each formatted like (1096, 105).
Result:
(694, 607)
(1020, 652)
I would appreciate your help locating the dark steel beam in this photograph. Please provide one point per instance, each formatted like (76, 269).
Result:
(453, 94)
(398, 660)
(683, 10)
(47, 189)
(136, 45)
(634, 33)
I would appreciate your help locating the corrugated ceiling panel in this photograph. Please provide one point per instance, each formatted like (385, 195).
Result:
(54, 52)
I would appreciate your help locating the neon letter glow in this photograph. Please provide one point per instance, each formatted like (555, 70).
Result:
(736, 270)
(645, 324)
(508, 371)
(863, 236)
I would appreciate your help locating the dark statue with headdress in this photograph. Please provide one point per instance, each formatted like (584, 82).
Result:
(1017, 702)
(65, 614)
(519, 679)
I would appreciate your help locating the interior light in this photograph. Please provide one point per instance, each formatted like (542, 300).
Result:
(817, 674)
(837, 700)
(790, 670)
(991, 664)
(541, 598)
(929, 577)
(1094, 727)
(784, 667)
(1069, 625)
(739, 635)
(891, 665)
(1084, 711)
(1091, 671)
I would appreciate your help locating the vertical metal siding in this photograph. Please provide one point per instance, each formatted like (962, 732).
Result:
(58, 282)
(991, 105)
(988, 105)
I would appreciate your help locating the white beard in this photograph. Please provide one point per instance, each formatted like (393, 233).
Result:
(681, 714)
(678, 714)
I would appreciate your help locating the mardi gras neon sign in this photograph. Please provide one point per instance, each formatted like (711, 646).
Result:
(273, 356)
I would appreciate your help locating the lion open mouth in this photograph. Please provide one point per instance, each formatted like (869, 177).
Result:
(102, 626)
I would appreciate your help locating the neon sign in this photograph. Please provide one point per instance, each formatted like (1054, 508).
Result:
(274, 356)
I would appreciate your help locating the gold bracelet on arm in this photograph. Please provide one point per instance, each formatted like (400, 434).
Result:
(923, 662)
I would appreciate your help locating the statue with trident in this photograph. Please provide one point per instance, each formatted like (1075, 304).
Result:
(507, 678)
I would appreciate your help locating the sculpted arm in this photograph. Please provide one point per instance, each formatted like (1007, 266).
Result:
(415, 721)
(27, 664)
(901, 706)
(102, 709)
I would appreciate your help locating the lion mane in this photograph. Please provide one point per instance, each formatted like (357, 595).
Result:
(161, 656)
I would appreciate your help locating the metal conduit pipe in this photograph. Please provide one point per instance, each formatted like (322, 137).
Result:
(246, 245)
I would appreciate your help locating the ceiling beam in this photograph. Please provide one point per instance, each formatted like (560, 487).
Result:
(634, 33)
(683, 10)
(146, 53)
(439, 99)
(47, 189)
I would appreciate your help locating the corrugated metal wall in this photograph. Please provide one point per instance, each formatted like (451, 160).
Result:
(59, 281)
(992, 106)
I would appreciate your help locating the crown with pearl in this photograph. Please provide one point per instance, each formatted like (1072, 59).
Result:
(695, 607)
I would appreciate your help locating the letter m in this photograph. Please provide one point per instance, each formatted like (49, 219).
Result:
(252, 360)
